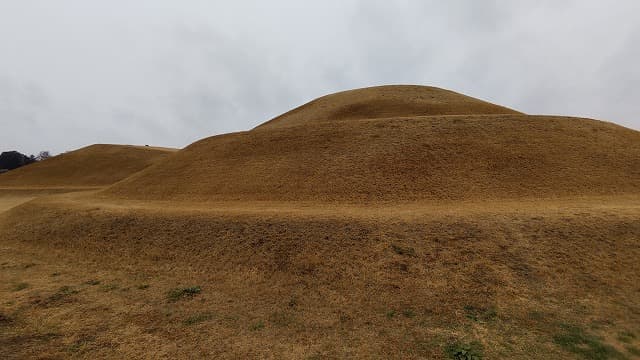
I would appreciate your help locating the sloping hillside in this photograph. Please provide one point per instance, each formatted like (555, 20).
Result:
(462, 157)
(91, 166)
(524, 280)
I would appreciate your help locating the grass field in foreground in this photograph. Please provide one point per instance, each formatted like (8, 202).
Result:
(554, 279)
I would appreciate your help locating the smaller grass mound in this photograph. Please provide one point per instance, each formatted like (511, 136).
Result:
(92, 166)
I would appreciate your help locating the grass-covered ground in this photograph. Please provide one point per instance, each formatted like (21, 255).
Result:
(537, 281)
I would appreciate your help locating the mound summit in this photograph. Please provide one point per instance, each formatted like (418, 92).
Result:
(91, 166)
(386, 102)
(399, 143)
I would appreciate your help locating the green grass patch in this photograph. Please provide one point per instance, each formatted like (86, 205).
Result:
(60, 295)
(463, 351)
(183, 293)
(20, 286)
(197, 319)
(409, 313)
(575, 340)
(66, 290)
(480, 314)
(109, 287)
(404, 251)
(257, 326)
(282, 318)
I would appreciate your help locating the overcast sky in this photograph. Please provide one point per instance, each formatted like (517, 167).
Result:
(167, 73)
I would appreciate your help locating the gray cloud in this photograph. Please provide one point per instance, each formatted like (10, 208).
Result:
(163, 72)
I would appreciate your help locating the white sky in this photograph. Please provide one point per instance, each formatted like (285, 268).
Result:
(77, 72)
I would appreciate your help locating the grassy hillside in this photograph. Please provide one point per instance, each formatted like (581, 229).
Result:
(92, 166)
(401, 159)
(544, 280)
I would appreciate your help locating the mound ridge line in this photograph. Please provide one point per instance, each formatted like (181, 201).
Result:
(383, 102)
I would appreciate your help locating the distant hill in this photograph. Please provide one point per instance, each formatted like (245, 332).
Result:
(95, 165)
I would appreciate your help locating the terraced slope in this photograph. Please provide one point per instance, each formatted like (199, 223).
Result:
(466, 157)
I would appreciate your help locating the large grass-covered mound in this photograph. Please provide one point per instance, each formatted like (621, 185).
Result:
(399, 143)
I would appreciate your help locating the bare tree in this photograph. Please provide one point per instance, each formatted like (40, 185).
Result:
(43, 155)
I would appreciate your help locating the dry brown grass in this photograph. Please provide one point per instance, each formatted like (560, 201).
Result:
(381, 102)
(398, 143)
(91, 166)
(312, 280)
(14, 196)
(424, 158)
(402, 237)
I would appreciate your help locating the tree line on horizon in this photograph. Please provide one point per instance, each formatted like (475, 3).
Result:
(10, 160)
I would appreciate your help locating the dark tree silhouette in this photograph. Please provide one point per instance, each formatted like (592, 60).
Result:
(10, 160)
